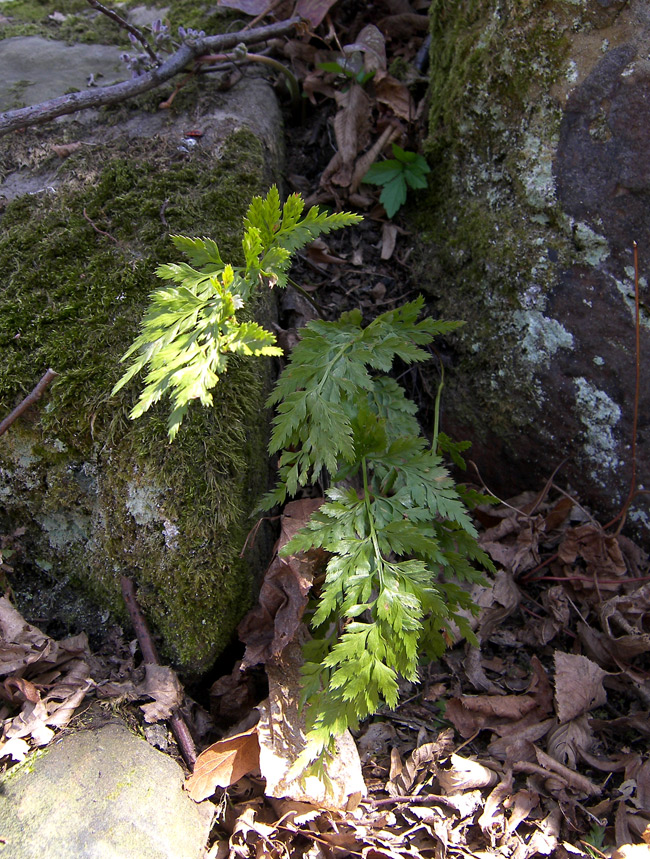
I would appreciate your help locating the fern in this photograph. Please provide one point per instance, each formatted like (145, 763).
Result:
(190, 330)
(395, 525)
(394, 520)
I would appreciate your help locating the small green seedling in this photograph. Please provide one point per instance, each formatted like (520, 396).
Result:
(348, 68)
(406, 169)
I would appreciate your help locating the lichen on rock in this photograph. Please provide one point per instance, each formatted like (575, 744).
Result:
(539, 154)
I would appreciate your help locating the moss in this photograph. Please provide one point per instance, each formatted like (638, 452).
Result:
(72, 298)
(83, 24)
(494, 235)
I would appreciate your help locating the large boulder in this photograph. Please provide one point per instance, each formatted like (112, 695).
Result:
(540, 152)
(100, 793)
(89, 203)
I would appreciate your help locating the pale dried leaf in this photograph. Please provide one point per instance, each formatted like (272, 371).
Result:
(281, 732)
(372, 44)
(545, 839)
(523, 802)
(313, 10)
(15, 748)
(578, 685)
(223, 763)
(161, 684)
(566, 742)
(388, 240)
(464, 774)
(632, 851)
(493, 819)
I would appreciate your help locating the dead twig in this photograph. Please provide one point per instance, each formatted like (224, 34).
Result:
(47, 377)
(100, 96)
(138, 34)
(150, 655)
(97, 230)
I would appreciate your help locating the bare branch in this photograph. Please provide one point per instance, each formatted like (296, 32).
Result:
(191, 50)
(28, 401)
(138, 34)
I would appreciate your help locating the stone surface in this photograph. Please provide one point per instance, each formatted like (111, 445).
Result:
(81, 235)
(26, 65)
(540, 149)
(101, 793)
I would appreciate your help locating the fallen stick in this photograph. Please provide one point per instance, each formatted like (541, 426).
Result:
(28, 401)
(191, 50)
(150, 655)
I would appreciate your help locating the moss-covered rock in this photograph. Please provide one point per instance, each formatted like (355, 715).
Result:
(524, 236)
(102, 496)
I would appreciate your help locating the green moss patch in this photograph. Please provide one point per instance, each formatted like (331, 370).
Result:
(112, 496)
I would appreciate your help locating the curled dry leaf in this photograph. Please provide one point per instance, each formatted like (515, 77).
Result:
(352, 131)
(470, 714)
(395, 95)
(268, 628)
(569, 740)
(224, 763)
(578, 685)
(463, 774)
(161, 684)
(599, 550)
(629, 614)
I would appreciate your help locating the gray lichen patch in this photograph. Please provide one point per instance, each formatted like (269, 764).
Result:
(599, 415)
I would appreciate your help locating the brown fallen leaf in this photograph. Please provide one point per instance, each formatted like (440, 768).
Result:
(313, 11)
(162, 684)
(268, 628)
(578, 685)
(469, 714)
(395, 95)
(65, 149)
(460, 774)
(599, 550)
(224, 763)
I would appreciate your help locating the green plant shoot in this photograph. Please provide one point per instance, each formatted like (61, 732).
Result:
(394, 524)
(405, 170)
(191, 327)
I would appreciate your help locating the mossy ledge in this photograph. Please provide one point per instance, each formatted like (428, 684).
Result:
(101, 495)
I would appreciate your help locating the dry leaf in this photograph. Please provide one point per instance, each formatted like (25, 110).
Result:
(65, 149)
(224, 763)
(463, 774)
(161, 684)
(578, 685)
(281, 732)
(313, 10)
(569, 739)
(599, 550)
(394, 94)
(268, 628)
(388, 240)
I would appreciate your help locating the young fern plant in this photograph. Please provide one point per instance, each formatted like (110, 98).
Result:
(191, 327)
(395, 525)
